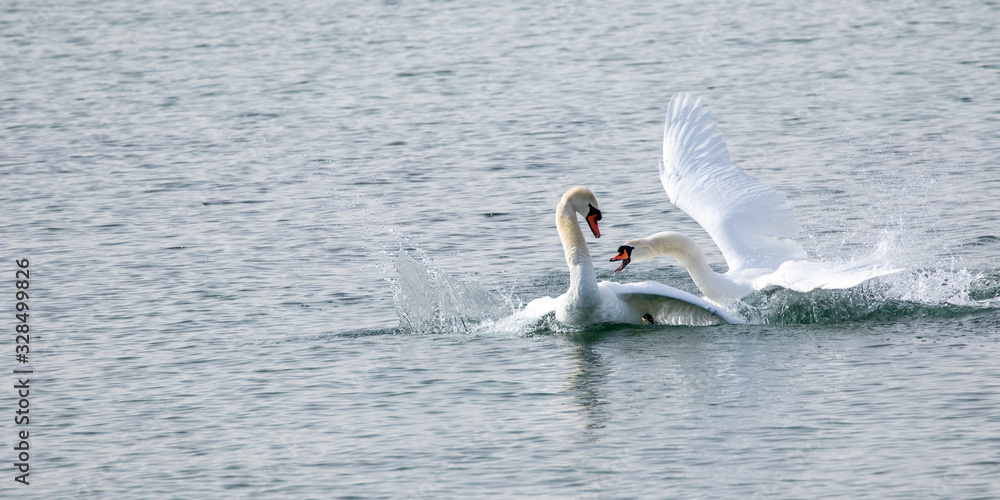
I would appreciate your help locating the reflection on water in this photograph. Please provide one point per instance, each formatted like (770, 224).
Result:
(588, 383)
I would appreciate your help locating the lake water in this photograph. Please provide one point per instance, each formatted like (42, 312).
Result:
(272, 247)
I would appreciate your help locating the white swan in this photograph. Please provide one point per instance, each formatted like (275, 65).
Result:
(751, 224)
(589, 302)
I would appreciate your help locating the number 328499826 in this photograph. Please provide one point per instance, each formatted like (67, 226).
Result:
(21, 308)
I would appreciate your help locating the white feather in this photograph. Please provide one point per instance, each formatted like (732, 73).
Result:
(751, 223)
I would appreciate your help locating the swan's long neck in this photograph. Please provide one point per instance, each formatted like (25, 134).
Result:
(582, 280)
(715, 286)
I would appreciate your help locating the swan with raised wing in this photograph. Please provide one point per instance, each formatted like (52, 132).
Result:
(589, 302)
(752, 224)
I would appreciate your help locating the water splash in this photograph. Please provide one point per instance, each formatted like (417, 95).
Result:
(428, 299)
(957, 287)
(933, 292)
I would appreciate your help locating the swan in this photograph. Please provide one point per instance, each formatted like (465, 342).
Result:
(589, 302)
(752, 224)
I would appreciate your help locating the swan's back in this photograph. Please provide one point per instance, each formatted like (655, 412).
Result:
(751, 223)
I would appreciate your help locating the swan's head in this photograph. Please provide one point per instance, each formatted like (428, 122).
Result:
(636, 250)
(583, 201)
(624, 255)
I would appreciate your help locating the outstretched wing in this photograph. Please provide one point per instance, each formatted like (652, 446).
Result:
(670, 306)
(751, 223)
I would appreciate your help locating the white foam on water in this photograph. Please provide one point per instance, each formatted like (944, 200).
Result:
(429, 299)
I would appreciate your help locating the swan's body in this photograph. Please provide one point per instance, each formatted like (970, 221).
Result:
(752, 224)
(589, 302)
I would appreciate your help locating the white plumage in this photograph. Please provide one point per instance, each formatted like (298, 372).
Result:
(751, 223)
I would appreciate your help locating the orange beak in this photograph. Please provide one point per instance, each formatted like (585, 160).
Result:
(624, 255)
(592, 217)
